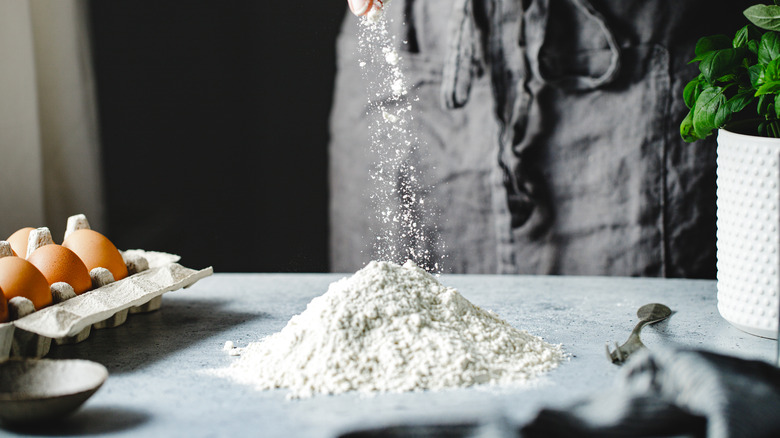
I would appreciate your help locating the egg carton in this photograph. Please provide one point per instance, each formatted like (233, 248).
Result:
(72, 320)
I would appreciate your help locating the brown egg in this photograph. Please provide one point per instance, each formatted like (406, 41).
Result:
(18, 277)
(97, 252)
(58, 263)
(3, 308)
(18, 241)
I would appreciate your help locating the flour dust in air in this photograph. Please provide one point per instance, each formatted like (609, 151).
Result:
(391, 328)
(407, 226)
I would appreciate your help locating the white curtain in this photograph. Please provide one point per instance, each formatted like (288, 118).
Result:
(49, 151)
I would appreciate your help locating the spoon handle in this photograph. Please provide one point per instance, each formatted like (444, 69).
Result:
(634, 342)
(648, 314)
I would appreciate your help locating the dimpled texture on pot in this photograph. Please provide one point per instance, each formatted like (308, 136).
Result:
(748, 240)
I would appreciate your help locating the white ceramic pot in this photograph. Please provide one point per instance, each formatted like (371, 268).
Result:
(748, 240)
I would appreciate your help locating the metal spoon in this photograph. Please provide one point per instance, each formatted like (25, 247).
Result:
(648, 314)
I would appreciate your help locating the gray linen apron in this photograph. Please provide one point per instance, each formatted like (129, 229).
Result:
(549, 136)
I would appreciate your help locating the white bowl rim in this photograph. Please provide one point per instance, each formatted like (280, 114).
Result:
(99, 376)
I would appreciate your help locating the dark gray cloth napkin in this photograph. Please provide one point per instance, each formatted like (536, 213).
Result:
(675, 393)
(660, 393)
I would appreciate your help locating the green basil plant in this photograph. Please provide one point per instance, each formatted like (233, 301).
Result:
(739, 79)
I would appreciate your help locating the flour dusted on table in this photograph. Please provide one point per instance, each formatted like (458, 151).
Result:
(391, 328)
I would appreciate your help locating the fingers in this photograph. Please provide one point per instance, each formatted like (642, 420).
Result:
(360, 7)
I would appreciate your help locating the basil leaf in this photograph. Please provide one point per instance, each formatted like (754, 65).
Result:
(710, 43)
(772, 71)
(772, 87)
(691, 92)
(755, 72)
(739, 101)
(706, 111)
(777, 107)
(741, 37)
(722, 116)
(720, 62)
(769, 48)
(744, 36)
(752, 45)
(729, 77)
(686, 129)
(764, 16)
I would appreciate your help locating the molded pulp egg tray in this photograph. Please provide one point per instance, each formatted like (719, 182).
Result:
(72, 320)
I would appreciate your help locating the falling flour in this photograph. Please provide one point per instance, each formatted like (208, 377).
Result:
(406, 226)
(391, 328)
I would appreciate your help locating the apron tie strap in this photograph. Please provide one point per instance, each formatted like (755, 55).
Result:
(462, 63)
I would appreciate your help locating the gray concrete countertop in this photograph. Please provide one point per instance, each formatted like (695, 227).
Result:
(157, 386)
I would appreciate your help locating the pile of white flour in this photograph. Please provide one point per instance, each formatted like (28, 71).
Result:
(391, 328)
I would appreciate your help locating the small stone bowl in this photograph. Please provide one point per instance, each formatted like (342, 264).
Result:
(46, 389)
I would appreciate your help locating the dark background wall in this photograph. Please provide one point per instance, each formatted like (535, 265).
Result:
(213, 118)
